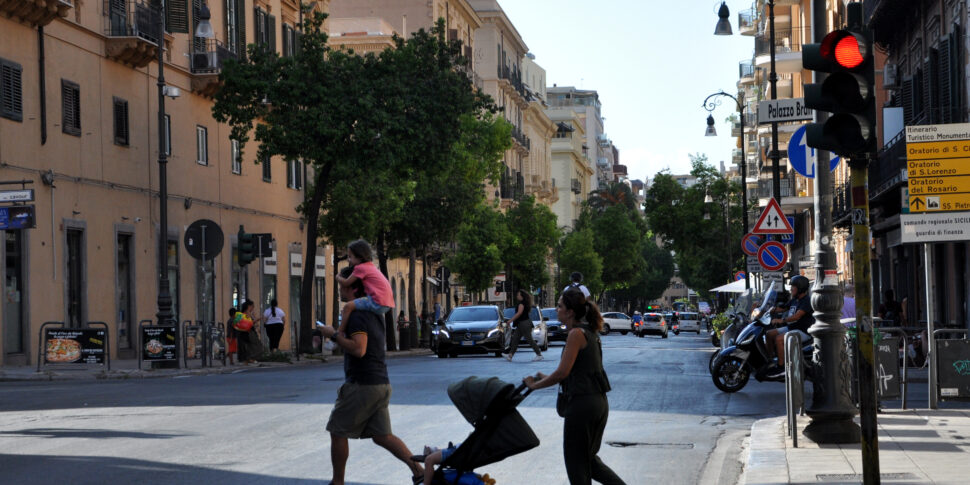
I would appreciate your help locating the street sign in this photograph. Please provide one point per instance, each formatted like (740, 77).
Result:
(739, 276)
(204, 231)
(264, 244)
(772, 256)
(773, 277)
(938, 167)
(779, 110)
(22, 195)
(750, 244)
(939, 227)
(803, 157)
(17, 217)
(772, 220)
(789, 238)
(753, 265)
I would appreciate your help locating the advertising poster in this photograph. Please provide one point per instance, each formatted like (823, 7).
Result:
(159, 343)
(74, 346)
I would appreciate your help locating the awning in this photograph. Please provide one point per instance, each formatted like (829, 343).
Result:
(432, 280)
(732, 287)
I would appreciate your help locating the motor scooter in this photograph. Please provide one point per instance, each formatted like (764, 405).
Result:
(734, 364)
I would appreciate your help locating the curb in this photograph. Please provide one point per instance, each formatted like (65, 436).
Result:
(120, 374)
(766, 461)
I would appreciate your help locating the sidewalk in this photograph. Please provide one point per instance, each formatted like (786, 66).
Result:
(915, 446)
(128, 368)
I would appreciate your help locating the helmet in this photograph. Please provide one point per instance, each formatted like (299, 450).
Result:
(636, 312)
(799, 283)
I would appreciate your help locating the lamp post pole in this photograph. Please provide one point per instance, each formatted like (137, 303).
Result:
(164, 314)
(710, 103)
(774, 155)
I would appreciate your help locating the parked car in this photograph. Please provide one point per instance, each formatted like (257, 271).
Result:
(470, 330)
(540, 332)
(690, 322)
(557, 330)
(616, 322)
(653, 323)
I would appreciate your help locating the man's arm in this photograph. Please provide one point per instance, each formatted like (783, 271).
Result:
(355, 344)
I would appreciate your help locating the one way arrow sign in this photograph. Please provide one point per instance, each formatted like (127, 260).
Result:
(772, 221)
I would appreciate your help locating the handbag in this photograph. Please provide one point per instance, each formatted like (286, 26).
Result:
(561, 403)
(243, 324)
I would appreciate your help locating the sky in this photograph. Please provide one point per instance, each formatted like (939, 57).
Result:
(652, 62)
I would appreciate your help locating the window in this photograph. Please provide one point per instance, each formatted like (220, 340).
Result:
(236, 157)
(11, 91)
(294, 174)
(265, 29)
(267, 170)
(70, 108)
(291, 40)
(236, 26)
(167, 148)
(201, 145)
(121, 121)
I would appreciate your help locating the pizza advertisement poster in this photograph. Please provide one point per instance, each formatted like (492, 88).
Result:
(159, 343)
(74, 346)
(193, 342)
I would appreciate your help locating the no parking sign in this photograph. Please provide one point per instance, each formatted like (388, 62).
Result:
(772, 256)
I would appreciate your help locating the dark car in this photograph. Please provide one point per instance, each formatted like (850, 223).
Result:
(554, 328)
(470, 330)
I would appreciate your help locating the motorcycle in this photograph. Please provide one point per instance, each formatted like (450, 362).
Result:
(734, 364)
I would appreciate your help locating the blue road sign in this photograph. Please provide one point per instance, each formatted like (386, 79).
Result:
(17, 217)
(750, 244)
(802, 156)
(790, 237)
(772, 256)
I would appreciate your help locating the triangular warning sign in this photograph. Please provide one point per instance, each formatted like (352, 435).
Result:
(772, 220)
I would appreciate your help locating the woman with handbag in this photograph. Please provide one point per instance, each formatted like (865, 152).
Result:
(582, 390)
(244, 325)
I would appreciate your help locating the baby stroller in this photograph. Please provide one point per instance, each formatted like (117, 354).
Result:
(500, 431)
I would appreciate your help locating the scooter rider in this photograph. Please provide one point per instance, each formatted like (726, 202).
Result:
(798, 319)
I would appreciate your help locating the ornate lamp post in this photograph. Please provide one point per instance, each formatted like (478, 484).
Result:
(710, 104)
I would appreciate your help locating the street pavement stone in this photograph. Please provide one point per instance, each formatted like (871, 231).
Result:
(915, 446)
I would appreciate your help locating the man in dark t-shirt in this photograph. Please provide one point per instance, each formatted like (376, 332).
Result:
(797, 320)
(361, 407)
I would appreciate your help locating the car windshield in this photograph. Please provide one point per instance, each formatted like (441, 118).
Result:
(472, 314)
(688, 316)
(550, 313)
(533, 314)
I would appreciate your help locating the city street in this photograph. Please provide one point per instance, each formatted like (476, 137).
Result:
(267, 425)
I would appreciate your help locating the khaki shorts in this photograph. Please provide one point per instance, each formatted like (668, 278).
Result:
(361, 411)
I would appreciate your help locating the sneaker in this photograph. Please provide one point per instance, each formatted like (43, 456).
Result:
(537, 358)
(508, 357)
(776, 373)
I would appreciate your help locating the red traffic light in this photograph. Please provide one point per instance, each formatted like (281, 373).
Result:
(848, 50)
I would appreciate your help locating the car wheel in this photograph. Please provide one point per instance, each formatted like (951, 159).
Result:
(606, 329)
(623, 332)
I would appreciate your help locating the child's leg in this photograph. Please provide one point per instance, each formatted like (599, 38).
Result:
(430, 462)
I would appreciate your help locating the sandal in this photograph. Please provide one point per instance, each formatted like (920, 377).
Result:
(417, 479)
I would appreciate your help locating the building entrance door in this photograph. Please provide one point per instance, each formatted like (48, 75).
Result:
(14, 324)
(75, 279)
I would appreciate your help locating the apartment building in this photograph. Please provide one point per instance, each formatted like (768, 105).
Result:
(586, 103)
(571, 164)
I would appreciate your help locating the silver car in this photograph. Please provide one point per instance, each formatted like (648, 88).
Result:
(540, 332)
(616, 322)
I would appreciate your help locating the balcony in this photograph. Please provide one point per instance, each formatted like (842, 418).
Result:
(746, 72)
(889, 172)
(132, 32)
(842, 206)
(207, 59)
(765, 188)
(522, 142)
(514, 79)
(34, 13)
(576, 186)
(748, 22)
(788, 47)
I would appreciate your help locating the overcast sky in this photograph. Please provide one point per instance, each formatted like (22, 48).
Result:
(653, 63)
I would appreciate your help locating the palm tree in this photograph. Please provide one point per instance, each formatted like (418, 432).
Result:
(614, 193)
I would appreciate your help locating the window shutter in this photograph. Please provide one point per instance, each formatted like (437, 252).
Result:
(176, 16)
(452, 35)
(919, 113)
(907, 101)
(70, 108)
(298, 174)
(11, 91)
(289, 173)
(944, 82)
(955, 62)
(258, 27)
(286, 40)
(297, 41)
(197, 42)
(121, 121)
(931, 74)
(267, 170)
(271, 32)
(240, 28)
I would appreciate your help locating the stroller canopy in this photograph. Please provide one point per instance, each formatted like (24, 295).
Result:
(500, 431)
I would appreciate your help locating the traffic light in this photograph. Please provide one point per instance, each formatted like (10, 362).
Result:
(848, 92)
(246, 247)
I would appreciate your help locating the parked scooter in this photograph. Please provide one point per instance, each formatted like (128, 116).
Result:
(734, 364)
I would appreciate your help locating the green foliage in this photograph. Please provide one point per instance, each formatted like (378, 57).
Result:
(577, 253)
(720, 322)
(705, 237)
(657, 271)
(479, 256)
(618, 242)
(532, 232)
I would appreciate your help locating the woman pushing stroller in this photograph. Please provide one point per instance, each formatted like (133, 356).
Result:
(583, 387)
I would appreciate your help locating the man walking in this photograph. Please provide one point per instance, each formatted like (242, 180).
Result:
(576, 281)
(361, 407)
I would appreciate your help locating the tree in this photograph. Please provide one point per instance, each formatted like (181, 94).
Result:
(614, 193)
(617, 241)
(576, 253)
(532, 234)
(478, 257)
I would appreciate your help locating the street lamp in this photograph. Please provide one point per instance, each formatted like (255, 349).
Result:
(723, 13)
(204, 30)
(710, 104)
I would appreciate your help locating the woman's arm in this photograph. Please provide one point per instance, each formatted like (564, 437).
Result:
(574, 342)
(518, 312)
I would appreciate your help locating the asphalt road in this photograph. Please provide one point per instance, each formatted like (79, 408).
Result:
(667, 424)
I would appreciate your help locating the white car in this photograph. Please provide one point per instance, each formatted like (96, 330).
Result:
(690, 322)
(539, 331)
(616, 322)
(652, 323)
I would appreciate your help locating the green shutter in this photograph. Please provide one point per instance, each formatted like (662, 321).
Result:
(177, 16)
(271, 32)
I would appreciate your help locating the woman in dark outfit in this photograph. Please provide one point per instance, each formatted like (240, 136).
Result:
(584, 385)
(523, 325)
